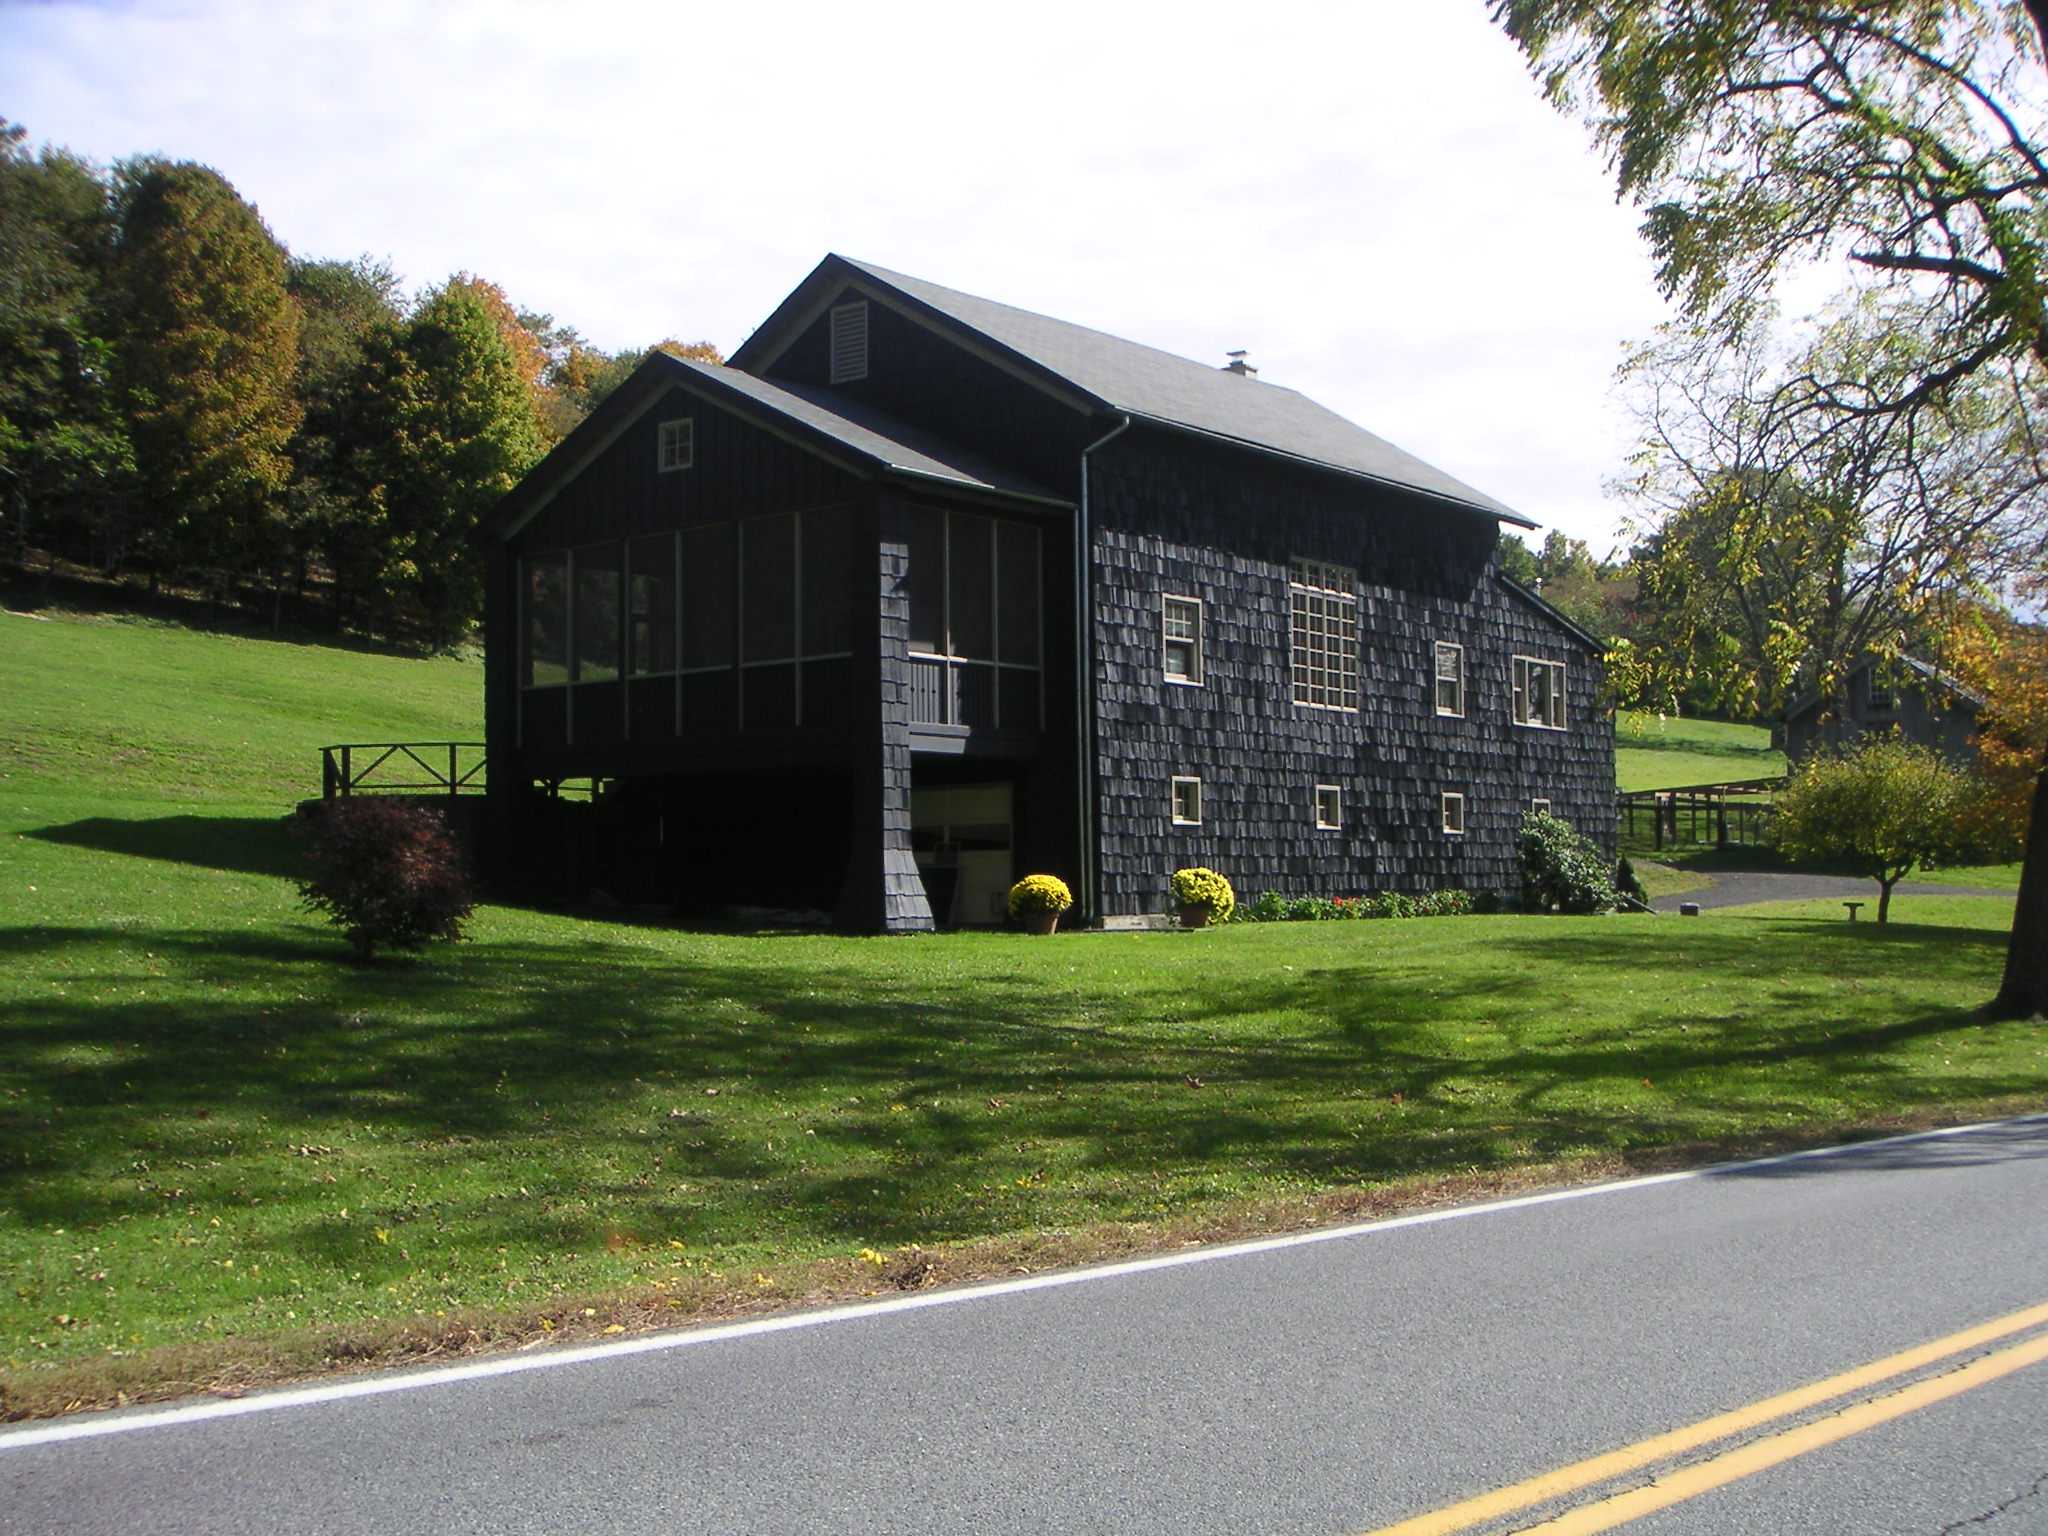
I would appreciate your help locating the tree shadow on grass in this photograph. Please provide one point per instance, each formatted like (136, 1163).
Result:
(886, 1102)
(250, 845)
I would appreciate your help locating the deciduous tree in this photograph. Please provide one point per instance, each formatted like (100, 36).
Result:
(1882, 805)
(206, 364)
(1903, 135)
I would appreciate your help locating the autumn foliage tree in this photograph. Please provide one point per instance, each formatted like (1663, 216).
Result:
(445, 427)
(206, 366)
(2004, 661)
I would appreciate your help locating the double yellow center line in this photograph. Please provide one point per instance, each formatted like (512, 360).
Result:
(1754, 1455)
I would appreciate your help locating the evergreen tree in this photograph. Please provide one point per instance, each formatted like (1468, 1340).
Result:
(205, 364)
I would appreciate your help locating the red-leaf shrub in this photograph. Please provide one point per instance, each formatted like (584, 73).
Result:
(385, 872)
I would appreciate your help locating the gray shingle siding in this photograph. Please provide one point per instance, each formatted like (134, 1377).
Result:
(1167, 521)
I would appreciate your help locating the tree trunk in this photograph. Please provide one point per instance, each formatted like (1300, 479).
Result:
(1884, 898)
(2025, 989)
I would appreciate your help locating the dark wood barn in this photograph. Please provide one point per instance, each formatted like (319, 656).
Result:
(922, 593)
(1903, 694)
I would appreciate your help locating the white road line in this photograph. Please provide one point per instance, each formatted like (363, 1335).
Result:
(124, 1422)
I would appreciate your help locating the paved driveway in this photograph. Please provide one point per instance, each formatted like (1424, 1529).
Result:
(1739, 888)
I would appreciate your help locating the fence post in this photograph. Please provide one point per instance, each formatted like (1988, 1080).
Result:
(453, 778)
(327, 773)
(347, 774)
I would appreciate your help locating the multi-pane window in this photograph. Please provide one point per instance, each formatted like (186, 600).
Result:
(676, 445)
(1329, 807)
(1539, 692)
(1323, 634)
(1454, 812)
(1450, 678)
(1187, 801)
(1881, 696)
(1181, 621)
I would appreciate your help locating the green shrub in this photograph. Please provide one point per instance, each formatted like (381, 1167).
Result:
(384, 871)
(1628, 883)
(1199, 887)
(1040, 893)
(1561, 869)
(1266, 907)
(1884, 806)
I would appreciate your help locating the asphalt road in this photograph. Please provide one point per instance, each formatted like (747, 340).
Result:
(1328, 1386)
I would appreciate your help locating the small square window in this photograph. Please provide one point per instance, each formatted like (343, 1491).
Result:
(1187, 801)
(1540, 805)
(1181, 624)
(1329, 807)
(1450, 678)
(677, 447)
(1454, 814)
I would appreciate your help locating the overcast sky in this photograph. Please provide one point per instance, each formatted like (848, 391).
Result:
(1370, 197)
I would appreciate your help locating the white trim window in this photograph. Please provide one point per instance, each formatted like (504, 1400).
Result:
(1542, 807)
(1539, 692)
(1187, 800)
(1450, 679)
(1329, 803)
(675, 445)
(1453, 805)
(1180, 624)
(850, 342)
(1323, 634)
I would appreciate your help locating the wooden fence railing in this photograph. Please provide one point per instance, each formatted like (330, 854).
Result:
(402, 767)
(1732, 814)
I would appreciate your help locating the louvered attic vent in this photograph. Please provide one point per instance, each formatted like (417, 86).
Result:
(849, 342)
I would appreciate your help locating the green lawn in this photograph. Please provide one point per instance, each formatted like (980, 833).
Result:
(217, 1138)
(1665, 752)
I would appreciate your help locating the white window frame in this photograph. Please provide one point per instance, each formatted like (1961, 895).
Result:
(1191, 782)
(847, 365)
(1332, 818)
(675, 445)
(1524, 668)
(1437, 678)
(1322, 635)
(1167, 640)
(1451, 806)
(1541, 805)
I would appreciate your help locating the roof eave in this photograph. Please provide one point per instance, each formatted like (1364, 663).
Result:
(1585, 637)
(1498, 513)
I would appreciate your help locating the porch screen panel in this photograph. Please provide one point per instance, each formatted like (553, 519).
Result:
(708, 594)
(823, 610)
(1017, 596)
(768, 588)
(651, 606)
(546, 662)
(927, 580)
(970, 592)
(598, 634)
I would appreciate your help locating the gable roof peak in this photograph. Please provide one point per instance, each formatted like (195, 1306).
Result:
(1096, 371)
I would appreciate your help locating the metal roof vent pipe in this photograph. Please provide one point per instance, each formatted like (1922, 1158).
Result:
(1239, 366)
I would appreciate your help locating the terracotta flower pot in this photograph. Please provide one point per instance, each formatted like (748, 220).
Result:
(1041, 922)
(1196, 915)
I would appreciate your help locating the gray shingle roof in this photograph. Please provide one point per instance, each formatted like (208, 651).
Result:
(1143, 381)
(872, 435)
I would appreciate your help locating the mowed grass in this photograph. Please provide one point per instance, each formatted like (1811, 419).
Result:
(216, 1136)
(1666, 752)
